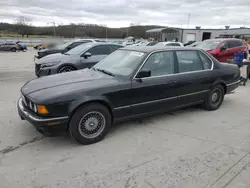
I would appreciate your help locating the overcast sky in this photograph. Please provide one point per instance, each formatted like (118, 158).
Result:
(120, 13)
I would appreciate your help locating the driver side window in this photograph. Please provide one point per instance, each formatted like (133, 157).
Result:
(160, 63)
(225, 45)
(99, 50)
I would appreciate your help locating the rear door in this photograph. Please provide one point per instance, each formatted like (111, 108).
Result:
(194, 76)
(97, 54)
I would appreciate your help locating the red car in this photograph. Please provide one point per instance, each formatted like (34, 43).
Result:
(224, 49)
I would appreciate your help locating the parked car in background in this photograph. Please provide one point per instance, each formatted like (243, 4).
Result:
(193, 44)
(224, 49)
(62, 48)
(143, 43)
(189, 43)
(8, 46)
(131, 82)
(80, 57)
(21, 47)
(179, 44)
(151, 43)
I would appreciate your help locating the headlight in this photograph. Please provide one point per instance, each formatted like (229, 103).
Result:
(49, 64)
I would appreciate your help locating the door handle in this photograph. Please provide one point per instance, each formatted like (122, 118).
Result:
(173, 82)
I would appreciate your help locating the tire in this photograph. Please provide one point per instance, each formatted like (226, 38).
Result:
(66, 69)
(214, 98)
(13, 49)
(90, 123)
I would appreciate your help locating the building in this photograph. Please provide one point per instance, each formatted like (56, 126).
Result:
(197, 34)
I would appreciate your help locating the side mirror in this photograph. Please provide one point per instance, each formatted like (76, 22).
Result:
(223, 48)
(87, 54)
(143, 74)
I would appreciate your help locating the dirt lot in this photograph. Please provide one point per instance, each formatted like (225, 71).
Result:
(190, 148)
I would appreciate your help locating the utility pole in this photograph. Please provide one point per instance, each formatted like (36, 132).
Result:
(54, 27)
(106, 32)
(188, 20)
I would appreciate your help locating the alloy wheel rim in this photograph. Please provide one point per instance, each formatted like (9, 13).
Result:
(66, 70)
(92, 124)
(216, 97)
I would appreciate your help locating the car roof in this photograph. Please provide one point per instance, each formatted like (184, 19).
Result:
(222, 39)
(168, 42)
(149, 49)
(92, 44)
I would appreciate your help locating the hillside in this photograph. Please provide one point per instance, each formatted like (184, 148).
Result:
(74, 30)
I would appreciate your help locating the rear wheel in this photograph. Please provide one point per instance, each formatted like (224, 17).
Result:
(66, 69)
(13, 49)
(90, 124)
(214, 98)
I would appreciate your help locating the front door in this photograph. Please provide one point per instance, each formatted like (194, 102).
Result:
(97, 54)
(159, 91)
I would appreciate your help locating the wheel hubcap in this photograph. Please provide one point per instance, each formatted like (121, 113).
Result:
(92, 124)
(66, 70)
(216, 97)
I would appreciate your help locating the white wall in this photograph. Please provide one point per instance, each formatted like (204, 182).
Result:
(214, 33)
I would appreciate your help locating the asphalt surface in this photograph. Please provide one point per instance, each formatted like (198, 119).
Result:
(189, 148)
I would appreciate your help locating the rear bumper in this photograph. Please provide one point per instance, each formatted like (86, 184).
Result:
(43, 125)
(232, 86)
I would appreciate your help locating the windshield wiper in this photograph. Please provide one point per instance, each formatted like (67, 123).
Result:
(104, 71)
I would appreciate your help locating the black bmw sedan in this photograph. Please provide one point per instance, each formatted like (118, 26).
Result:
(129, 83)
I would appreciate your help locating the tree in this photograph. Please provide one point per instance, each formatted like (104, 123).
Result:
(24, 26)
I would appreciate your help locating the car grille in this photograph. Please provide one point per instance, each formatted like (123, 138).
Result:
(29, 104)
(37, 68)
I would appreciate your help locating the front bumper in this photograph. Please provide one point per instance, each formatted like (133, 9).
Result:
(43, 125)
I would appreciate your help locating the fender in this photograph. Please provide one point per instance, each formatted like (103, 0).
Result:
(88, 99)
(219, 81)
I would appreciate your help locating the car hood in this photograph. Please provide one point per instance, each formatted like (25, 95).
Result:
(60, 83)
(56, 57)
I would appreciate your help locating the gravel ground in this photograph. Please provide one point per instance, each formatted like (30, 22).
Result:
(189, 148)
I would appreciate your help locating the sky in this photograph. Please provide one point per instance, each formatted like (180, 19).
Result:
(121, 13)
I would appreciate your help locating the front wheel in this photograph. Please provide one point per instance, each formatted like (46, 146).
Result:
(90, 124)
(66, 69)
(214, 98)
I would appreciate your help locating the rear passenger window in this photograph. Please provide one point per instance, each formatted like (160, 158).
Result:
(239, 43)
(189, 61)
(207, 63)
(113, 48)
(233, 44)
(100, 50)
(173, 44)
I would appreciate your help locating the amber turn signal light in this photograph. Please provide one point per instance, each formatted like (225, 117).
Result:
(41, 109)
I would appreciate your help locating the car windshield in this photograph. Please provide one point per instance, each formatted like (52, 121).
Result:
(121, 62)
(208, 45)
(79, 49)
(63, 46)
(160, 44)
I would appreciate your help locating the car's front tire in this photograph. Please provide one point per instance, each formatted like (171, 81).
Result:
(90, 123)
(214, 98)
(66, 69)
